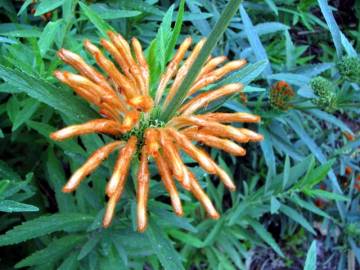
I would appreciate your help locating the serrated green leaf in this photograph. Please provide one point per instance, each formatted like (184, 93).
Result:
(54, 251)
(11, 206)
(176, 31)
(98, 22)
(187, 238)
(29, 108)
(107, 13)
(308, 206)
(266, 236)
(163, 248)
(297, 217)
(70, 263)
(60, 99)
(45, 225)
(326, 195)
(48, 36)
(89, 246)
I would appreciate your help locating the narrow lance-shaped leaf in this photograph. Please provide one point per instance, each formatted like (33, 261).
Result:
(45, 225)
(54, 251)
(163, 248)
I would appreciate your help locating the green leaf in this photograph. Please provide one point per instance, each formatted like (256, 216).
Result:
(297, 217)
(48, 36)
(45, 225)
(99, 23)
(47, 5)
(89, 246)
(333, 27)
(326, 195)
(8, 173)
(266, 236)
(56, 178)
(286, 174)
(175, 33)
(70, 263)
(60, 99)
(310, 262)
(107, 13)
(163, 248)
(254, 40)
(216, 230)
(187, 238)
(45, 130)
(274, 205)
(24, 6)
(162, 38)
(209, 45)
(29, 108)
(53, 252)
(10, 206)
(317, 175)
(309, 206)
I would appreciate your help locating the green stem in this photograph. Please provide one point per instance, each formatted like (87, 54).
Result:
(215, 35)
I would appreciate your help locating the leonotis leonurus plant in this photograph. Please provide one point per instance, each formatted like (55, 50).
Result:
(131, 116)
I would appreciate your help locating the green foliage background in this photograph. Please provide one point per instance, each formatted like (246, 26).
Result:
(297, 199)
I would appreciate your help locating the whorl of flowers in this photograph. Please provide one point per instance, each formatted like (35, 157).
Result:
(349, 68)
(325, 92)
(131, 116)
(281, 95)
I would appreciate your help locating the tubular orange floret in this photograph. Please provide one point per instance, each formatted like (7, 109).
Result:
(89, 95)
(111, 69)
(110, 47)
(172, 68)
(212, 128)
(121, 168)
(98, 125)
(211, 65)
(216, 75)
(253, 136)
(213, 141)
(169, 184)
(241, 117)
(205, 98)
(140, 57)
(225, 178)
(110, 211)
(201, 196)
(173, 157)
(90, 165)
(86, 70)
(197, 154)
(145, 103)
(143, 179)
(183, 71)
(78, 81)
(130, 119)
(123, 47)
(152, 140)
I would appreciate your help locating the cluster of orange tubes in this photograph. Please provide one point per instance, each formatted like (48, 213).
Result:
(124, 101)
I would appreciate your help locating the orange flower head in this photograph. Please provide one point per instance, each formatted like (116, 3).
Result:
(130, 115)
(281, 95)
